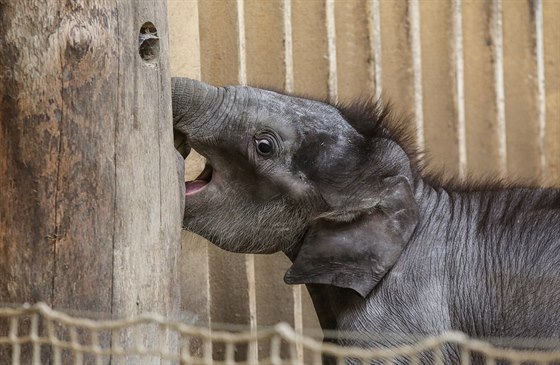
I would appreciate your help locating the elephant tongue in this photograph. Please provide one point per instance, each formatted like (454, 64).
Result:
(195, 186)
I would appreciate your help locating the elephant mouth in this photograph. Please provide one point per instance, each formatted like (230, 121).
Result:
(199, 183)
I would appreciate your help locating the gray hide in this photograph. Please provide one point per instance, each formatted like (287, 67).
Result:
(382, 248)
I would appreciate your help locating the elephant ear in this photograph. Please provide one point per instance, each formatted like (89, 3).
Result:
(355, 247)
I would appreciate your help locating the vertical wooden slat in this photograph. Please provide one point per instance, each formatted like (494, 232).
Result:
(184, 38)
(537, 12)
(219, 42)
(288, 46)
(298, 291)
(459, 87)
(265, 47)
(311, 68)
(441, 129)
(241, 50)
(520, 83)
(398, 75)
(275, 300)
(264, 32)
(222, 64)
(497, 35)
(147, 206)
(310, 49)
(374, 33)
(551, 32)
(252, 355)
(194, 262)
(311, 77)
(354, 61)
(330, 24)
(483, 89)
(414, 32)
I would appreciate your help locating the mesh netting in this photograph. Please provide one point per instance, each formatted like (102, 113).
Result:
(39, 335)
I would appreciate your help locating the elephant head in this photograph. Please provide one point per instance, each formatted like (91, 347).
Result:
(324, 184)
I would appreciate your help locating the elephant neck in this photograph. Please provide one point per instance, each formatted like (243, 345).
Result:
(328, 300)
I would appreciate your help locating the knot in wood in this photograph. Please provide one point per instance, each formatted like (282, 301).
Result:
(80, 39)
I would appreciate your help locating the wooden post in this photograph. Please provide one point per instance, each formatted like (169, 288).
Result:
(89, 196)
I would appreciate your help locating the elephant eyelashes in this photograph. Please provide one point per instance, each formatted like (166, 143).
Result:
(265, 147)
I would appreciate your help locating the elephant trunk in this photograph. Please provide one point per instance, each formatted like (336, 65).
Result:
(193, 102)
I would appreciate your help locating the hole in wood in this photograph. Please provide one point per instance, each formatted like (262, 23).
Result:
(148, 42)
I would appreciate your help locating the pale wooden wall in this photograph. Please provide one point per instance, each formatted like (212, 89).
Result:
(480, 78)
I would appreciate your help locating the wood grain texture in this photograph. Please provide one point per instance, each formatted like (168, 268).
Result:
(220, 59)
(91, 210)
(353, 54)
(148, 216)
(520, 82)
(31, 113)
(438, 73)
(264, 30)
(219, 42)
(311, 78)
(30, 126)
(184, 39)
(193, 262)
(309, 42)
(396, 62)
(482, 131)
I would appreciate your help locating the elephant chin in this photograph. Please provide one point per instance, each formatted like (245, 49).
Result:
(238, 244)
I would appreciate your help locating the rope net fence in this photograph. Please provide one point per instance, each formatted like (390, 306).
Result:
(34, 335)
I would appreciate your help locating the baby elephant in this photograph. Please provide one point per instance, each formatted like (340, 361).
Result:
(382, 248)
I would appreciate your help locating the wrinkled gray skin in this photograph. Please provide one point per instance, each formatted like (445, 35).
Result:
(381, 250)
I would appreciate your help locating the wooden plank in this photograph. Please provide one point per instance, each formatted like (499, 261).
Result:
(483, 133)
(148, 214)
(438, 76)
(229, 291)
(145, 271)
(353, 54)
(219, 42)
(193, 263)
(520, 82)
(265, 54)
(264, 43)
(184, 38)
(220, 65)
(311, 78)
(311, 66)
(397, 59)
(551, 14)
(274, 297)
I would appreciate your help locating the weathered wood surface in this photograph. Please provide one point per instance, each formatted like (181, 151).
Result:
(89, 198)
(194, 260)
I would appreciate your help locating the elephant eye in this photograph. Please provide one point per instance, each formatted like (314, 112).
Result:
(265, 147)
